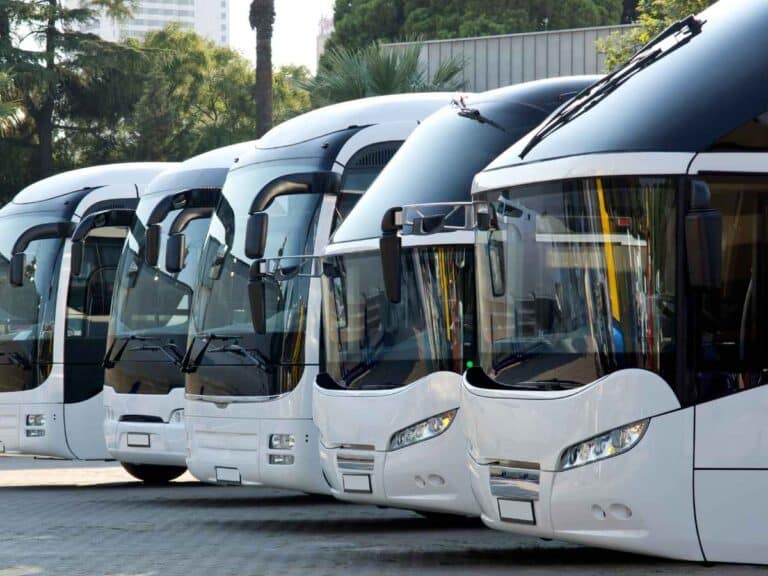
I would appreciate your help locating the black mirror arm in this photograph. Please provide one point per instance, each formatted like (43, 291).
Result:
(390, 245)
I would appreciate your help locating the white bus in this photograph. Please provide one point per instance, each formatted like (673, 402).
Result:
(144, 385)
(53, 324)
(250, 368)
(620, 399)
(399, 311)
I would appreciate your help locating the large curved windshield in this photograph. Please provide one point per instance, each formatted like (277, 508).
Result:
(372, 343)
(27, 312)
(152, 305)
(578, 281)
(222, 308)
(438, 161)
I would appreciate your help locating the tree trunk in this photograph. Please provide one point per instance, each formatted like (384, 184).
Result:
(44, 119)
(263, 81)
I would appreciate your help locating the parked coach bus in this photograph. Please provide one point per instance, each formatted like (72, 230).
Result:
(53, 324)
(144, 384)
(621, 395)
(254, 346)
(400, 314)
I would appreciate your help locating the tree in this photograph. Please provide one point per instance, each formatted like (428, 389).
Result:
(653, 16)
(52, 60)
(262, 19)
(9, 107)
(360, 22)
(290, 97)
(375, 71)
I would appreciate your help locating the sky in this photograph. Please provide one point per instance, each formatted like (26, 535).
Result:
(295, 35)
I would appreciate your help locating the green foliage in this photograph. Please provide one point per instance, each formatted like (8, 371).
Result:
(361, 22)
(9, 108)
(348, 74)
(653, 16)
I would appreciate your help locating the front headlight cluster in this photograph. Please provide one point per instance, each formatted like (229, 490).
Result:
(177, 416)
(423, 430)
(611, 443)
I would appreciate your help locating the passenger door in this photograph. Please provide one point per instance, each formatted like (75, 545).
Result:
(730, 327)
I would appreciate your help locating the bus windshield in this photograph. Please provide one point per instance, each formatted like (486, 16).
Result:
(27, 312)
(151, 303)
(372, 343)
(221, 307)
(578, 281)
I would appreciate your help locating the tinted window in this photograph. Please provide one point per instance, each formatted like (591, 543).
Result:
(732, 350)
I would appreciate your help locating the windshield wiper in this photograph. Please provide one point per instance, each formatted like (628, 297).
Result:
(169, 349)
(112, 357)
(590, 96)
(16, 359)
(252, 354)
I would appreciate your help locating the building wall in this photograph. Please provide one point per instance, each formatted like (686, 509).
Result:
(209, 18)
(496, 61)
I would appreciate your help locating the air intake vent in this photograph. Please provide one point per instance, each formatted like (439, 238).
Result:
(376, 156)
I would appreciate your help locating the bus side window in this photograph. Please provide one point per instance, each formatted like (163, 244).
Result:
(731, 352)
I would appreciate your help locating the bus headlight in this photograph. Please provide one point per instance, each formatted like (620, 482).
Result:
(35, 419)
(606, 445)
(282, 442)
(423, 430)
(177, 416)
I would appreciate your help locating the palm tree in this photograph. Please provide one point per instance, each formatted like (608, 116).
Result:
(375, 70)
(262, 19)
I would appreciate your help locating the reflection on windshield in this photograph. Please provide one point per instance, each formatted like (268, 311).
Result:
(375, 344)
(221, 297)
(27, 312)
(579, 280)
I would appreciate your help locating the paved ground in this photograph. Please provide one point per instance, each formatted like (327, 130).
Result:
(60, 518)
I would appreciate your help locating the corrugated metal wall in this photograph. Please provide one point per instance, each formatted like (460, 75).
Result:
(496, 61)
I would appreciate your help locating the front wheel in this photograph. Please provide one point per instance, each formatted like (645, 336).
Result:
(150, 474)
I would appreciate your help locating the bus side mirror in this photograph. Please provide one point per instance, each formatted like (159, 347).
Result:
(18, 262)
(76, 258)
(703, 240)
(152, 244)
(390, 245)
(175, 252)
(257, 299)
(256, 235)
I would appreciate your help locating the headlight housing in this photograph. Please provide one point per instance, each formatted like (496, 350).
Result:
(282, 442)
(423, 430)
(606, 445)
(177, 416)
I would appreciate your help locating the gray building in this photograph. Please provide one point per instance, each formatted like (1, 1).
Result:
(496, 61)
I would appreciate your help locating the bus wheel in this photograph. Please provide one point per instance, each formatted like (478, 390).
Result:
(150, 474)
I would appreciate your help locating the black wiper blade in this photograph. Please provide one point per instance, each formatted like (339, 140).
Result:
(190, 364)
(169, 349)
(252, 354)
(591, 95)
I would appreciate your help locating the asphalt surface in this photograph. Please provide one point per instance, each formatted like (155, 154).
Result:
(64, 518)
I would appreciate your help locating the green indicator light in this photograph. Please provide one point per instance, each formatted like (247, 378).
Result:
(470, 364)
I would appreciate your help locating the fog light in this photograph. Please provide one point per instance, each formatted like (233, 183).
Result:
(177, 417)
(35, 433)
(282, 442)
(35, 419)
(281, 459)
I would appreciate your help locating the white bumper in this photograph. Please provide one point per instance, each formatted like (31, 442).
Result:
(157, 443)
(640, 501)
(356, 427)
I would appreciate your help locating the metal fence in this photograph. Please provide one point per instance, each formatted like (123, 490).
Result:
(496, 61)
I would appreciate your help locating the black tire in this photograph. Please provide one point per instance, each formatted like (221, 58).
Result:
(151, 474)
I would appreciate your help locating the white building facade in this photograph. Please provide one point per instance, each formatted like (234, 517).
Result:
(209, 18)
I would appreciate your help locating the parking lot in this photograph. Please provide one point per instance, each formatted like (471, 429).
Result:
(69, 518)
